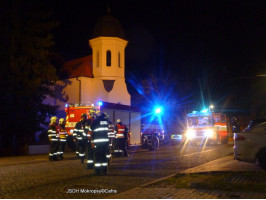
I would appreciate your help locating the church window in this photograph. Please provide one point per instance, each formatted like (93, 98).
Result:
(119, 59)
(108, 58)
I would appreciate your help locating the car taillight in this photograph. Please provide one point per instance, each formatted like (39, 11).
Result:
(239, 137)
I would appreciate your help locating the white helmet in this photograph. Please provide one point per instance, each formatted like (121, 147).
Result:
(118, 120)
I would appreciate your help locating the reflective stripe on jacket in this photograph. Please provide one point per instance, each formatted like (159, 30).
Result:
(53, 134)
(80, 131)
(120, 130)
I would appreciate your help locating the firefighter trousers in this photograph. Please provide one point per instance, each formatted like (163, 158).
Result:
(53, 150)
(81, 147)
(61, 148)
(89, 152)
(121, 145)
(100, 152)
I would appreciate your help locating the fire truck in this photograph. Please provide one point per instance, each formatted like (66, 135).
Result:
(207, 127)
(73, 113)
(129, 116)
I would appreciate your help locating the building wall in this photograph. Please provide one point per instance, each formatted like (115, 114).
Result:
(119, 93)
(92, 90)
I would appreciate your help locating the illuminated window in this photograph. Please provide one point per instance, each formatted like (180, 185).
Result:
(97, 59)
(119, 59)
(108, 58)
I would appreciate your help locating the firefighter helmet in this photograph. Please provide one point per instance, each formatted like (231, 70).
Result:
(92, 110)
(233, 119)
(106, 115)
(61, 121)
(53, 119)
(98, 113)
(118, 120)
(84, 115)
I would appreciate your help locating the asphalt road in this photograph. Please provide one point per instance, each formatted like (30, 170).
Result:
(69, 179)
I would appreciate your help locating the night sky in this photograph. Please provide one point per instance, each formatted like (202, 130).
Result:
(199, 43)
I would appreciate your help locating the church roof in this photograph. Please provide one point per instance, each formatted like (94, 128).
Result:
(108, 26)
(79, 67)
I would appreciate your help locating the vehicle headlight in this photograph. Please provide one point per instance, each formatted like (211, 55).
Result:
(209, 133)
(71, 131)
(190, 134)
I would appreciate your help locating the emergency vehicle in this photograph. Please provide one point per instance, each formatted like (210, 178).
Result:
(152, 135)
(73, 114)
(152, 129)
(129, 116)
(205, 126)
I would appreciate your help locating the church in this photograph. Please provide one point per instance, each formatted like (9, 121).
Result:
(100, 76)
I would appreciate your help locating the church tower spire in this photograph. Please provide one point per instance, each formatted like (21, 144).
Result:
(108, 54)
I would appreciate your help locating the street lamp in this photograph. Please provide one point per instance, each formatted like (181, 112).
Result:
(211, 107)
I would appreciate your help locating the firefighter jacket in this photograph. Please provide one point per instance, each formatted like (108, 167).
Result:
(121, 130)
(53, 133)
(111, 131)
(81, 129)
(62, 133)
(100, 130)
(89, 132)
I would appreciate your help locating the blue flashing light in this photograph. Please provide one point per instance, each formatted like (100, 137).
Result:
(158, 110)
(194, 111)
(66, 105)
(99, 103)
(204, 111)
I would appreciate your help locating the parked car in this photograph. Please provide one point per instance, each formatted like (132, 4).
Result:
(250, 145)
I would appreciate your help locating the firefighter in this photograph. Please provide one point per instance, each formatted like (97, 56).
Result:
(89, 147)
(53, 136)
(121, 137)
(101, 142)
(80, 132)
(62, 138)
(235, 125)
(111, 136)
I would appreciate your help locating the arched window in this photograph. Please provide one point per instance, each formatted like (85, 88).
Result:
(97, 59)
(108, 58)
(119, 59)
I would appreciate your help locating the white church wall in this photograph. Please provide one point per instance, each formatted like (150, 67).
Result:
(119, 93)
(98, 92)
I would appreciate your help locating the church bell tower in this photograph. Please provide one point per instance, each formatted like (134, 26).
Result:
(108, 54)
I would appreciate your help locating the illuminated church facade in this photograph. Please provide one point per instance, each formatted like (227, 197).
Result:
(100, 76)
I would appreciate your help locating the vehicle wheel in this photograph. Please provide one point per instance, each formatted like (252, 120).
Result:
(262, 158)
(155, 143)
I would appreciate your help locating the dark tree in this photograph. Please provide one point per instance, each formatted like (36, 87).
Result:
(26, 73)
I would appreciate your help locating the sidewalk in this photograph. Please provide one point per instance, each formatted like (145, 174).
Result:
(226, 163)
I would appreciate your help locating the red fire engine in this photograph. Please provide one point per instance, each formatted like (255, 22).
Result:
(207, 126)
(73, 113)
